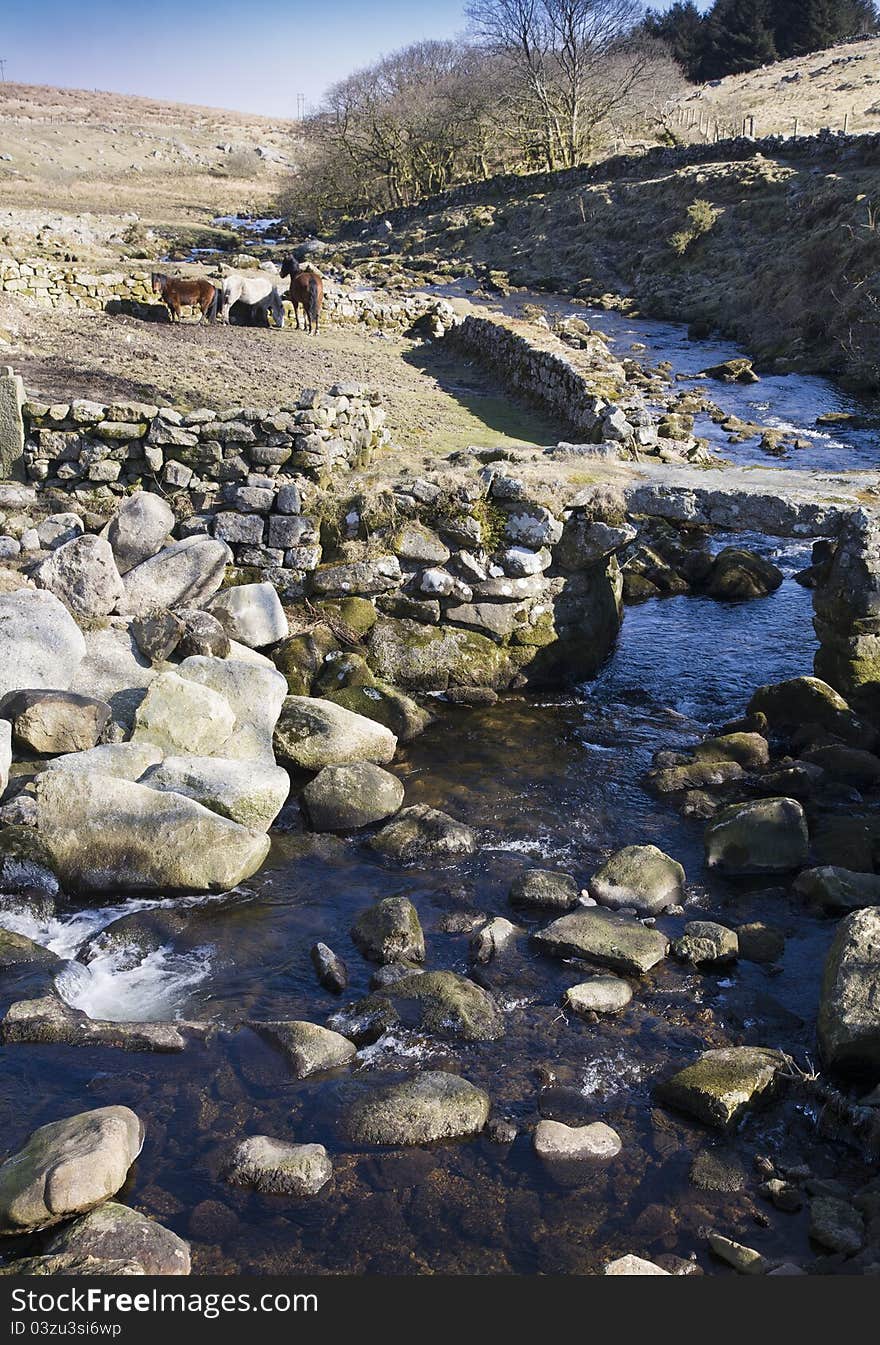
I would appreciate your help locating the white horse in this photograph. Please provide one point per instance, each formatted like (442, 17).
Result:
(259, 291)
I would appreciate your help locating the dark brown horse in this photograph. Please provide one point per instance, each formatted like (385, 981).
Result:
(306, 288)
(176, 293)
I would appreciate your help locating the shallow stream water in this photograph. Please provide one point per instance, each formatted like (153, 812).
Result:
(553, 781)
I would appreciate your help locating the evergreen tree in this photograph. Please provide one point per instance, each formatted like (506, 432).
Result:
(683, 29)
(739, 37)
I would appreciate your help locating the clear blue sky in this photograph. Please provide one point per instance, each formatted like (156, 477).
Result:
(256, 56)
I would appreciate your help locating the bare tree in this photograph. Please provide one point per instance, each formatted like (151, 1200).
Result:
(561, 52)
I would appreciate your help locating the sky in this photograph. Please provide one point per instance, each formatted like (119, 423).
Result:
(253, 55)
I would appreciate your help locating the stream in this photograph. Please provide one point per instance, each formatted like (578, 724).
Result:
(552, 781)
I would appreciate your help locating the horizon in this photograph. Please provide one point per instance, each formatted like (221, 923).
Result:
(93, 41)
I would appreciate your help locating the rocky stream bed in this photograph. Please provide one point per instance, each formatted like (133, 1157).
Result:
(313, 958)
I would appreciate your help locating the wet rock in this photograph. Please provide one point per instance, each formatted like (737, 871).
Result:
(307, 1047)
(68, 1264)
(599, 994)
(365, 1021)
(809, 700)
(785, 1196)
(737, 370)
(16, 950)
(740, 574)
(492, 939)
(248, 792)
(185, 574)
(83, 575)
(849, 1005)
(389, 931)
(849, 765)
(49, 722)
(49, 1021)
(183, 718)
(67, 1167)
(749, 750)
(26, 864)
(251, 614)
(331, 970)
(275, 1168)
(694, 775)
(544, 889)
(313, 733)
(431, 1106)
(157, 635)
(836, 1225)
(392, 972)
(386, 705)
(835, 890)
(125, 761)
(769, 836)
(114, 834)
(638, 876)
(721, 1085)
(140, 529)
(451, 1005)
(632, 1265)
(706, 944)
(744, 1260)
(115, 1231)
(760, 943)
(343, 798)
(596, 1142)
(202, 634)
(605, 937)
(714, 1171)
(41, 646)
(419, 834)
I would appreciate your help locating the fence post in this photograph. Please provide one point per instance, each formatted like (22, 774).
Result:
(11, 425)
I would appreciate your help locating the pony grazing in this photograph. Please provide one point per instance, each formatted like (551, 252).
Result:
(177, 293)
(306, 288)
(259, 291)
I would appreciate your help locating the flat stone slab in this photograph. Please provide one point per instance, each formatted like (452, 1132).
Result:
(721, 1085)
(605, 937)
(49, 1021)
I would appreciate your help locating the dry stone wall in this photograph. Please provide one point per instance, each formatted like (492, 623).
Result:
(69, 286)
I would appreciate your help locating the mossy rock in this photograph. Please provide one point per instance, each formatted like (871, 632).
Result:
(429, 1107)
(451, 1005)
(432, 658)
(358, 614)
(720, 1086)
(342, 669)
(301, 657)
(386, 705)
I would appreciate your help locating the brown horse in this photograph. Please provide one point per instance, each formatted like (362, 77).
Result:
(306, 288)
(176, 293)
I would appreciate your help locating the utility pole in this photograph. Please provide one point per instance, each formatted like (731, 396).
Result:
(2, 71)
(300, 106)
